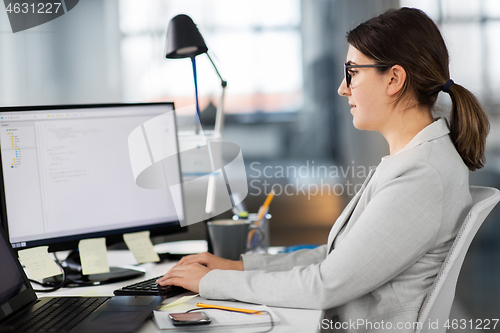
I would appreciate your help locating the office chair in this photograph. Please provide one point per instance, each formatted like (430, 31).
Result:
(437, 304)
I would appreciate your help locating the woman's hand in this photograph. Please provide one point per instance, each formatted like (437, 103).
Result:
(189, 271)
(186, 276)
(211, 261)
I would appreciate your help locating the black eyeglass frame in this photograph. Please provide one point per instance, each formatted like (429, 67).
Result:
(348, 76)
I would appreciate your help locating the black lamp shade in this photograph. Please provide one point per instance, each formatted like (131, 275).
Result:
(183, 38)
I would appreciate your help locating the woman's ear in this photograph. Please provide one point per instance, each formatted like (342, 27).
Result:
(397, 78)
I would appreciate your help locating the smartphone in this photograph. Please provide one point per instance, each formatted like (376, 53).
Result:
(190, 318)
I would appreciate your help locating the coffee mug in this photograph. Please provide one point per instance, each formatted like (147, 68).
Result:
(229, 237)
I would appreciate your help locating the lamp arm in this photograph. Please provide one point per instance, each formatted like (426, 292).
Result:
(223, 82)
(219, 117)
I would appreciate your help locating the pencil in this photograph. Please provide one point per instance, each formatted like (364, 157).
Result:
(265, 206)
(227, 308)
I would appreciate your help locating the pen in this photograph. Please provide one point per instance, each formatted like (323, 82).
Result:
(211, 306)
(262, 211)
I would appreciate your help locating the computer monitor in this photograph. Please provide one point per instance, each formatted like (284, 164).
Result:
(66, 175)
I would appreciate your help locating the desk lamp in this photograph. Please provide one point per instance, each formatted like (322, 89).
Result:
(185, 41)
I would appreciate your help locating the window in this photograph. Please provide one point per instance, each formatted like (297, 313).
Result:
(255, 44)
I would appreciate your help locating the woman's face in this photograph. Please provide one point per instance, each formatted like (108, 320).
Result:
(367, 93)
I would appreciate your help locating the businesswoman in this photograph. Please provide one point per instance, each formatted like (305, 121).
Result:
(387, 246)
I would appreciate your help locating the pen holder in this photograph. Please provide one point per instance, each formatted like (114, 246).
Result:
(259, 242)
(230, 237)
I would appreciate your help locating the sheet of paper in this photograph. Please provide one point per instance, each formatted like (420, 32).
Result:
(93, 292)
(170, 306)
(219, 318)
(93, 256)
(39, 262)
(142, 248)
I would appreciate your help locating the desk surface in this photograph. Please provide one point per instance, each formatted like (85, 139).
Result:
(291, 320)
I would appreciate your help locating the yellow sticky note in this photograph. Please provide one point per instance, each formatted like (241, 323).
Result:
(177, 302)
(93, 256)
(140, 245)
(39, 263)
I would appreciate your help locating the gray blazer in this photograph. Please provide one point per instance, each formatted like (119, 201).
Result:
(376, 269)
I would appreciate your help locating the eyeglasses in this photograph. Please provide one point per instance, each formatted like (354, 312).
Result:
(348, 76)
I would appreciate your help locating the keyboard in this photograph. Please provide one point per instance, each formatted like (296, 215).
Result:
(59, 314)
(149, 287)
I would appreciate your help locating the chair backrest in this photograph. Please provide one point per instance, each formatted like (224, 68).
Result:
(437, 305)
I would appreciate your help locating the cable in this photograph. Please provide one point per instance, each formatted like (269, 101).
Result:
(271, 321)
(46, 284)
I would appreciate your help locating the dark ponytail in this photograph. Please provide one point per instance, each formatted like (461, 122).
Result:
(409, 38)
(469, 126)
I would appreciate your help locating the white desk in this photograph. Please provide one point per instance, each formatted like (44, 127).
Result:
(291, 320)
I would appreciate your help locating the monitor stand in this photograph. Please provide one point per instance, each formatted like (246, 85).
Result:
(75, 278)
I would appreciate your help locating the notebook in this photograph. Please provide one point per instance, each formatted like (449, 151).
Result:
(20, 308)
(220, 319)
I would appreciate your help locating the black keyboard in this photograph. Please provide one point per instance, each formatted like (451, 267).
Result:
(149, 287)
(59, 314)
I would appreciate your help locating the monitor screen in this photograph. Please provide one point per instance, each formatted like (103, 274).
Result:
(66, 175)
